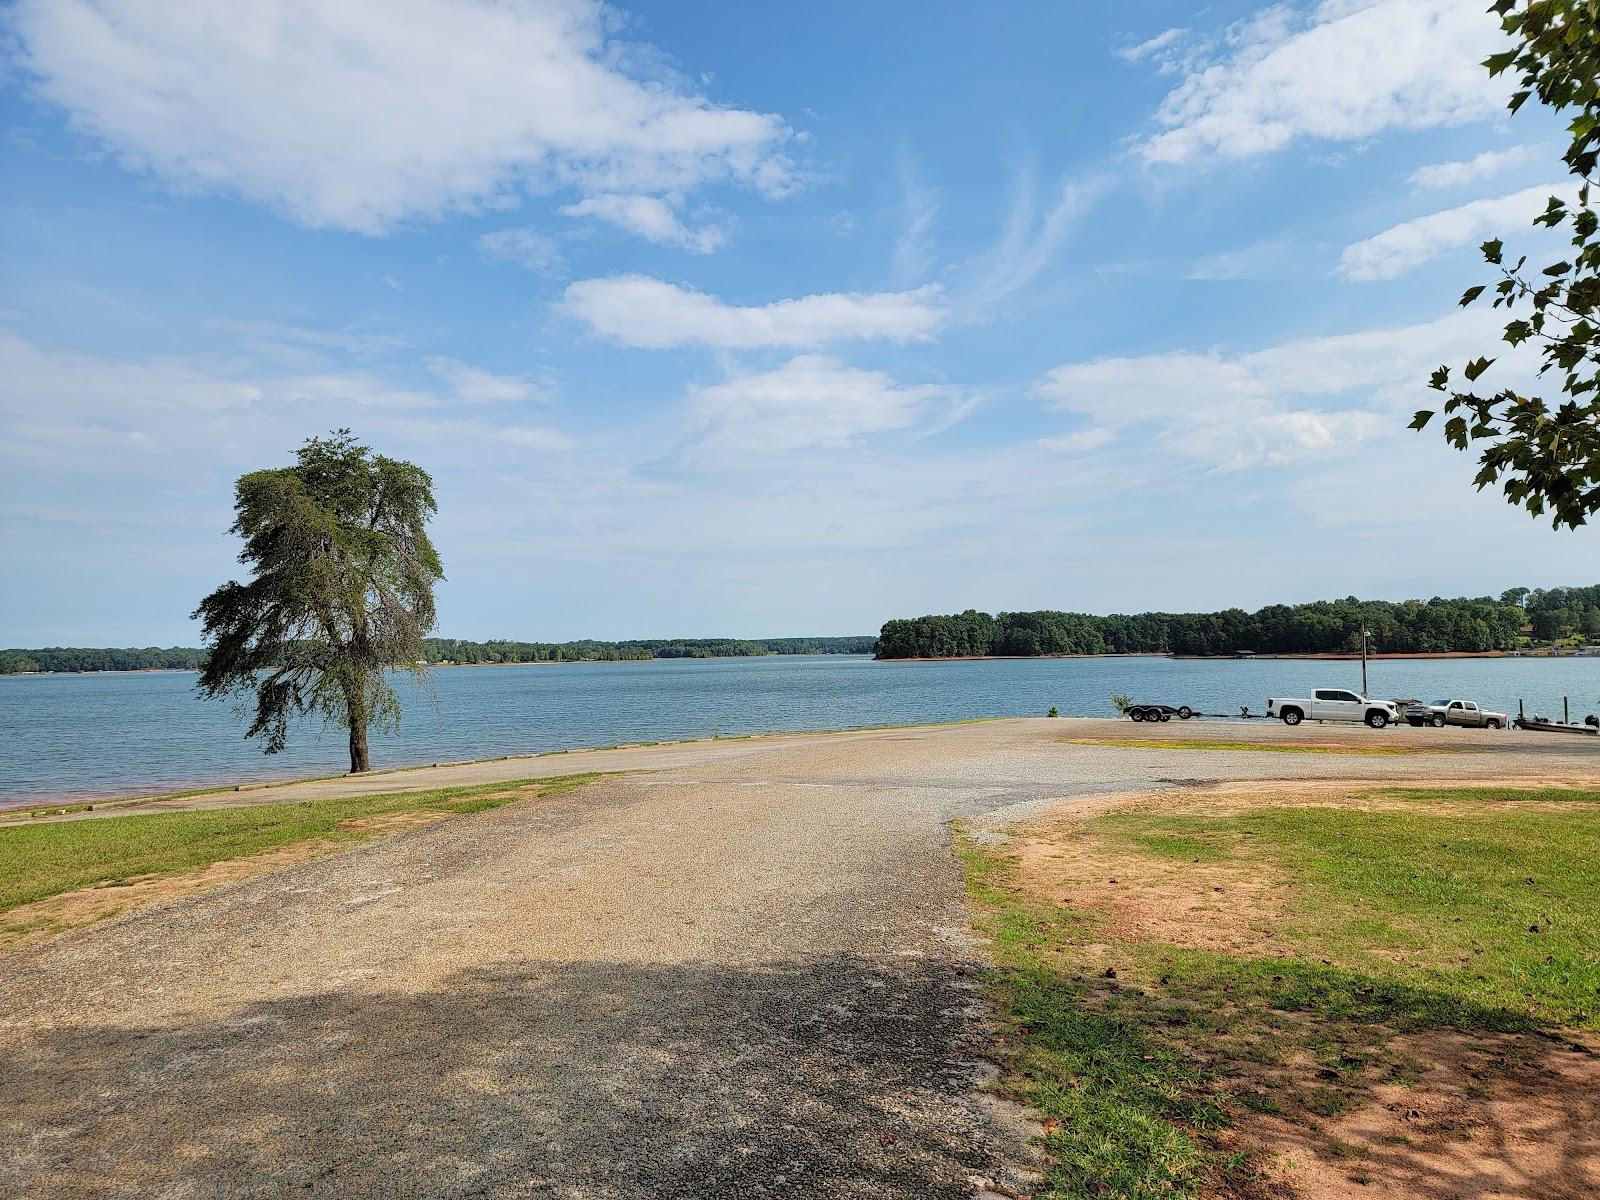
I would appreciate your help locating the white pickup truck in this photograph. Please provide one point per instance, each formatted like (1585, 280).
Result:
(1455, 712)
(1334, 704)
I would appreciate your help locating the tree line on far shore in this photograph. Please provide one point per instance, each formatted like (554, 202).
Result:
(1516, 618)
(436, 651)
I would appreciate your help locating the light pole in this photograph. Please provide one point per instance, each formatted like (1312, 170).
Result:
(1364, 634)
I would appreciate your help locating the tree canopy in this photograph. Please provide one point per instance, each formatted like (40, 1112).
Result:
(1436, 626)
(341, 590)
(1544, 452)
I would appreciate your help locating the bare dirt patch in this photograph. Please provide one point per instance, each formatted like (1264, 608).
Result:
(1491, 1117)
(43, 919)
(1435, 1115)
(1223, 907)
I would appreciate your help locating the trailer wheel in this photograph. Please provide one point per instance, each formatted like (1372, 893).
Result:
(1185, 712)
(1166, 716)
(1136, 714)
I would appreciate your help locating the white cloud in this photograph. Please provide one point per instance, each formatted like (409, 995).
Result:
(1080, 442)
(1401, 247)
(524, 247)
(186, 408)
(1271, 258)
(358, 114)
(637, 310)
(1162, 48)
(1347, 71)
(1482, 166)
(650, 218)
(1030, 242)
(913, 250)
(812, 400)
(439, 432)
(475, 385)
(1232, 411)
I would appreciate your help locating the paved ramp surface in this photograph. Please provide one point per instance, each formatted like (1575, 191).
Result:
(744, 973)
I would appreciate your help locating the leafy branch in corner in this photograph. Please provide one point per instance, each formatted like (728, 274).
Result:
(1544, 453)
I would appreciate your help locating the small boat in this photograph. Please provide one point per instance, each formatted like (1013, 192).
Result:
(1540, 724)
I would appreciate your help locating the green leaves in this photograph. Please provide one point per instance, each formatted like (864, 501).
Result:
(341, 589)
(1544, 455)
(1497, 63)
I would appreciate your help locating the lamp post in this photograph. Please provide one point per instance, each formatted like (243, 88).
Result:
(1364, 635)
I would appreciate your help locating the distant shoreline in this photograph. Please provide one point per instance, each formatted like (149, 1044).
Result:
(547, 662)
(1324, 656)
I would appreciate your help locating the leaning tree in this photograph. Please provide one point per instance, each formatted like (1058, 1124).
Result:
(341, 590)
(1544, 450)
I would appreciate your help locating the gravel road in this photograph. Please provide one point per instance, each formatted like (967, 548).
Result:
(743, 972)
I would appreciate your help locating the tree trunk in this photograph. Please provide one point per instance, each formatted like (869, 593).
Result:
(356, 712)
(358, 746)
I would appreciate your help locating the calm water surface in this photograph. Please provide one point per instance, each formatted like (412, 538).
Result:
(87, 735)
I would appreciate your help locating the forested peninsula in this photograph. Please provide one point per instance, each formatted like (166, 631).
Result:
(1516, 619)
(445, 651)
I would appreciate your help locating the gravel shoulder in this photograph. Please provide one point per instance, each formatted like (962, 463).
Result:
(743, 970)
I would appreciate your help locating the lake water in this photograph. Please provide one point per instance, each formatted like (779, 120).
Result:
(89, 735)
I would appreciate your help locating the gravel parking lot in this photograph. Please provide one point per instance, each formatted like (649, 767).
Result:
(741, 970)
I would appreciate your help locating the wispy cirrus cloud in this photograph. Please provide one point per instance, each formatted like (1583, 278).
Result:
(523, 246)
(1163, 49)
(913, 249)
(650, 218)
(1030, 240)
(814, 400)
(651, 314)
(1481, 166)
(475, 385)
(1341, 71)
(348, 116)
(1411, 243)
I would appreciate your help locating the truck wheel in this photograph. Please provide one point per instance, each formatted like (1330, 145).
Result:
(1491, 723)
(1185, 712)
(1437, 720)
(1292, 716)
(1377, 718)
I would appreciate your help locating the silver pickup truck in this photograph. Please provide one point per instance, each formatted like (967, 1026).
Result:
(1334, 704)
(1455, 712)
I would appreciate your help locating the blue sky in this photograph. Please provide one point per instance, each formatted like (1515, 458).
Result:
(721, 319)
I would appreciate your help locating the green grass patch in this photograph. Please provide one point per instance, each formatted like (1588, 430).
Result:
(1501, 909)
(1398, 921)
(42, 860)
(1250, 747)
(1488, 795)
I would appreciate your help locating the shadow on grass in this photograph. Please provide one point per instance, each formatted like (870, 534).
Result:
(831, 1078)
(1142, 1073)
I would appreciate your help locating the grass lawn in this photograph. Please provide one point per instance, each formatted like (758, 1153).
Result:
(1436, 910)
(43, 860)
